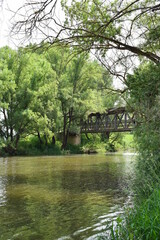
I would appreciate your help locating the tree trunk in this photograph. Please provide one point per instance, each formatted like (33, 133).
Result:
(17, 140)
(11, 133)
(66, 129)
(6, 123)
(39, 137)
(107, 135)
(46, 142)
(53, 140)
(64, 140)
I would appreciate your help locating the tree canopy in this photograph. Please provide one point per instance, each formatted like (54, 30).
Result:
(129, 27)
(119, 33)
(47, 92)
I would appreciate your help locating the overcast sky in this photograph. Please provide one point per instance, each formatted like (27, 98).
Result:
(6, 13)
(6, 20)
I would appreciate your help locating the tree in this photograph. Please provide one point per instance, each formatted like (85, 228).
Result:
(144, 96)
(78, 79)
(24, 78)
(47, 92)
(125, 26)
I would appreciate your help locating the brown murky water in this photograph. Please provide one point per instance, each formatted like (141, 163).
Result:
(69, 197)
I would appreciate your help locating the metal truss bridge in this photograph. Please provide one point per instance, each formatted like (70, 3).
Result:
(113, 120)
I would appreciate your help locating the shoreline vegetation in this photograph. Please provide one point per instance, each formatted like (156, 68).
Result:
(139, 222)
(94, 145)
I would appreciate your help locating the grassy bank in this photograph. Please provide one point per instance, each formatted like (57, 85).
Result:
(142, 222)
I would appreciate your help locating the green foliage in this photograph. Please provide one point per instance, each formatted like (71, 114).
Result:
(126, 142)
(144, 86)
(99, 143)
(141, 222)
(144, 93)
(100, 25)
(92, 143)
(46, 92)
(78, 79)
(31, 147)
(73, 149)
(148, 160)
(25, 82)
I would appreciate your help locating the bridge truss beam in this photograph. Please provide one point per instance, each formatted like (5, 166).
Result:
(102, 123)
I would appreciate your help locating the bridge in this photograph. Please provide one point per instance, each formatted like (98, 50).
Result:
(113, 120)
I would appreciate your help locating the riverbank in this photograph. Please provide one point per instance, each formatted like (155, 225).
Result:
(91, 145)
(140, 222)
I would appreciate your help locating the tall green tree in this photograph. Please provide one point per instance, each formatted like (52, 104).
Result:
(144, 96)
(23, 78)
(47, 92)
(78, 80)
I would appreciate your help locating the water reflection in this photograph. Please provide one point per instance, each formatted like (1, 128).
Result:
(61, 197)
(2, 192)
(3, 179)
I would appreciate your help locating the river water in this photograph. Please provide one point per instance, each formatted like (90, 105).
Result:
(69, 197)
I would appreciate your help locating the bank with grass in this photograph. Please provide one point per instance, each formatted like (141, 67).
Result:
(142, 220)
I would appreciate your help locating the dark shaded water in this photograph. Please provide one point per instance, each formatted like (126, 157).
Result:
(71, 197)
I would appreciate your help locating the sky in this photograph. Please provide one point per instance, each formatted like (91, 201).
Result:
(6, 19)
(6, 14)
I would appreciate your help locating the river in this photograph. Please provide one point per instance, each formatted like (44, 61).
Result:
(63, 198)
